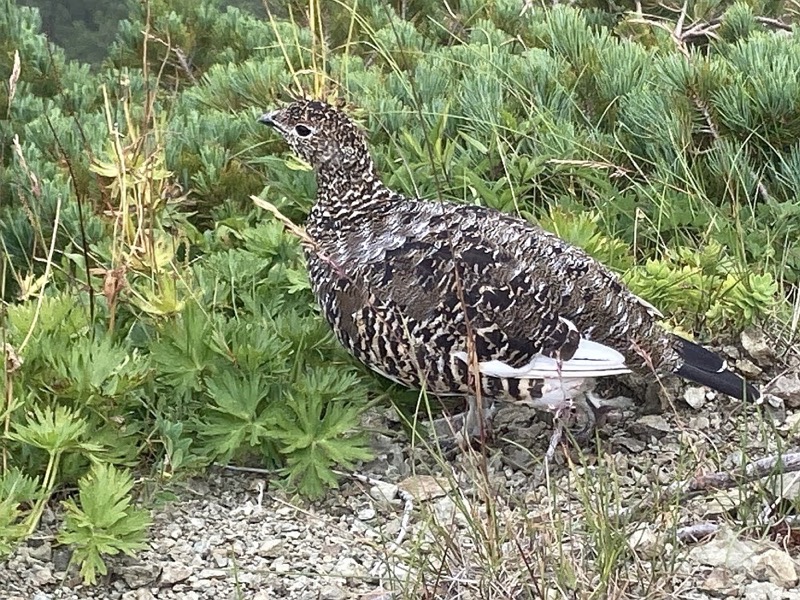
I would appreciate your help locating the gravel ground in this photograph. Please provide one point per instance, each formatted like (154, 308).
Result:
(497, 525)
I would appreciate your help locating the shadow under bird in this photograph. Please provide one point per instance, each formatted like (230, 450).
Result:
(428, 293)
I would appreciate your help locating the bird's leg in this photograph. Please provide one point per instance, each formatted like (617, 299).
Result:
(478, 423)
(595, 414)
(588, 404)
(467, 427)
(558, 430)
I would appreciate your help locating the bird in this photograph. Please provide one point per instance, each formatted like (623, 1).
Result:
(465, 300)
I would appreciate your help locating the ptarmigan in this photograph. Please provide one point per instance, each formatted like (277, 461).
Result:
(427, 293)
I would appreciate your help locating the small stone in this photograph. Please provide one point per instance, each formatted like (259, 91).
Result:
(270, 548)
(279, 565)
(140, 594)
(756, 345)
(731, 352)
(137, 576)
(775, 566)
(762, 590)
(332, 592)
(644, 541)
(774, 406)
(220, 560)
(201, 547)
(695, 397)
(41, 576)
(424, 487)
(42, 552)
(366, 514)
(61, 557)
(719, 582)
(651, 425)
(725, 550)
(174, 572)
(788, 388)
(701, 423)
(633, 445)
(723, 502)
(447, 512)
(348, 567)
(748, 368)
(174, 532)
(383, 491)
(212, 574)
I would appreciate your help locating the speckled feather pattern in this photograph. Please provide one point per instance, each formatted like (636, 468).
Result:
(405, 282)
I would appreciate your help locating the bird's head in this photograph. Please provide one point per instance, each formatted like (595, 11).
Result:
(321, 135)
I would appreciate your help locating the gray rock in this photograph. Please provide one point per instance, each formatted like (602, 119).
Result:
(762, 590)
(756, 345)
(695, 397)
(212, 574)
(651, 425)
(41, 596)
(140, 594)
(173, 573)
(270, 548)
(220, 560)
(447, 513)
(788, 388)
(41, 576)
(383, 491)
(719, 583)
(774, 407)
(42, 552)
(348, 567)
(333, 592)
(279, 565)
(366, 514)
(731, 352)
(748, 368)
(61, 557)
(725, 550)
(137, 576)
(775, 566)
(644, 541)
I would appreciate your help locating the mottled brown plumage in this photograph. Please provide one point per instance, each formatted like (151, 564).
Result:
(413, 287)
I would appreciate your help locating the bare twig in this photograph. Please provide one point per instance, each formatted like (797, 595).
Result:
(183, 61)
(723, 480)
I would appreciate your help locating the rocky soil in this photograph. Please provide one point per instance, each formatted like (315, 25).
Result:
(492, 525)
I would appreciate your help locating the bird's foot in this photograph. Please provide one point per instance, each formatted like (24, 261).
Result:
(569, 414)
(589, 410)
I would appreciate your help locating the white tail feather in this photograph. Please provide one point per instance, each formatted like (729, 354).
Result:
(590, 360)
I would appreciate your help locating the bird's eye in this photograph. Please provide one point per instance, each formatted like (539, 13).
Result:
(302, 130)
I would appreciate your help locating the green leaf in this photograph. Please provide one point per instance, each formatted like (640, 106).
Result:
(103, 521)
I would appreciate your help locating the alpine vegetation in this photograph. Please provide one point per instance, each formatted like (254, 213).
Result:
(429, 293)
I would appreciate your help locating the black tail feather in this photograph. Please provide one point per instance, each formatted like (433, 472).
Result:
(707, 368)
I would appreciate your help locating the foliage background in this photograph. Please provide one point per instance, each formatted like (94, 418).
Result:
(153, 318)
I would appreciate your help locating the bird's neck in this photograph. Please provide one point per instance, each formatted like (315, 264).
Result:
(349, 191)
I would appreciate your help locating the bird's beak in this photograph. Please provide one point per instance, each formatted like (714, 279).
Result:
(269, 119)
